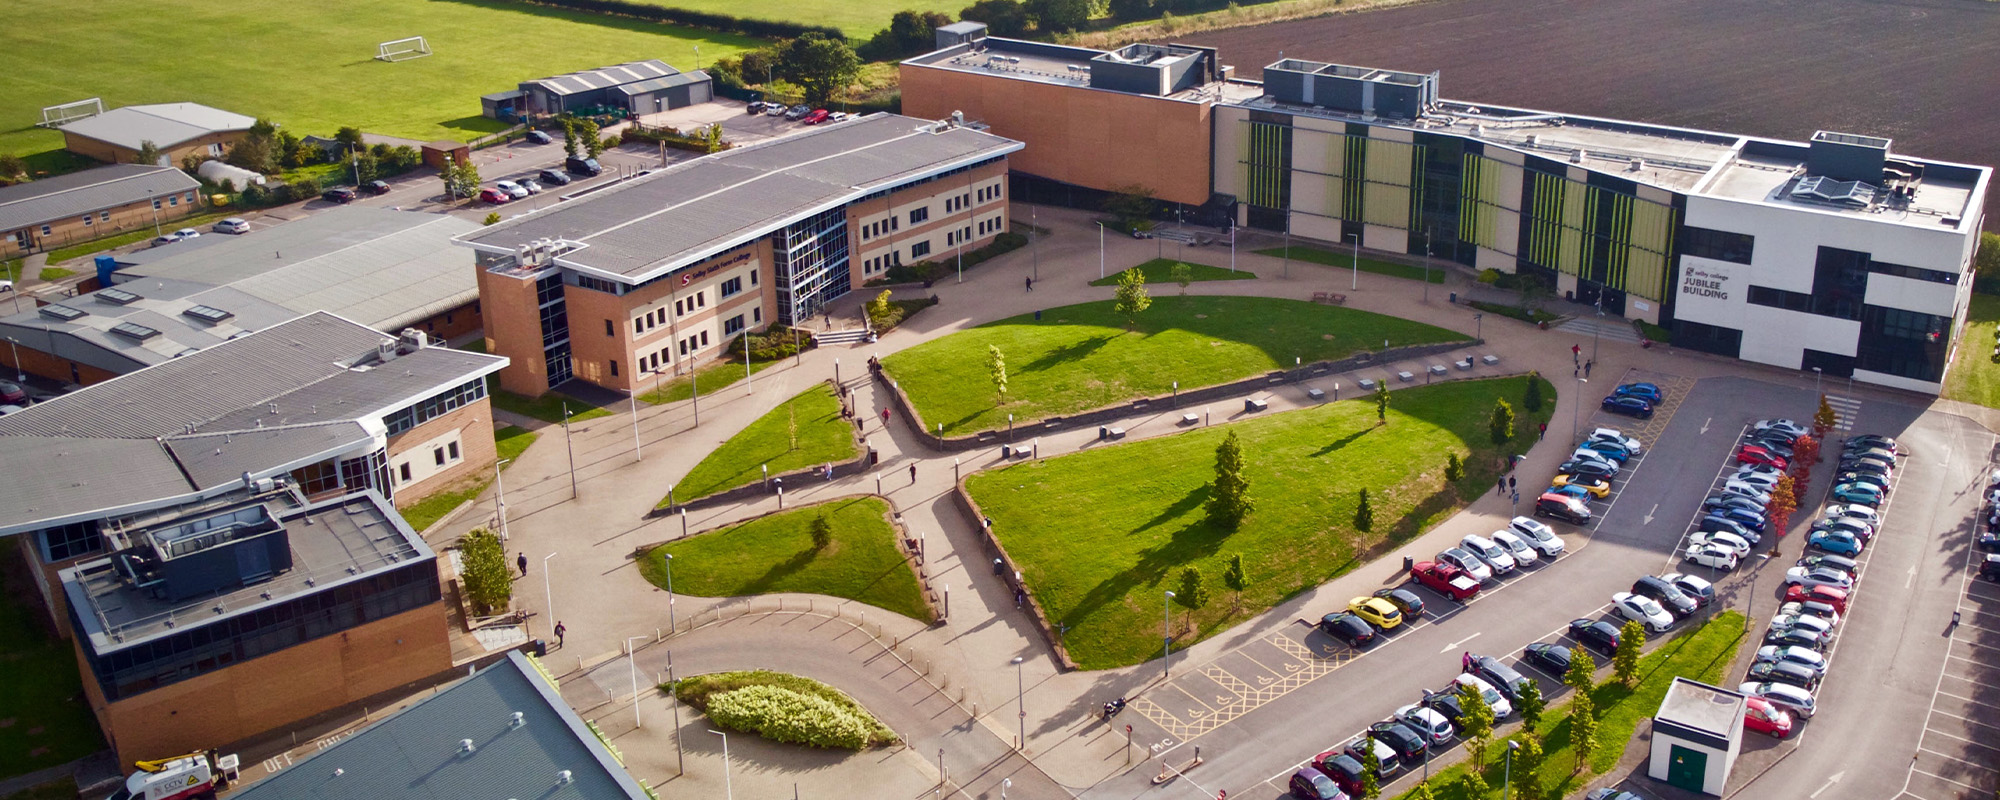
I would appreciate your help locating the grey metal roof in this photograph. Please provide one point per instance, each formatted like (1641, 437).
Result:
(163, 124)
(590, 79)
(416, 754)
(56, 477)
(88, 340)
(216, 459)
(99, 188)
(648, 226)
(667, 82)
(962, 27)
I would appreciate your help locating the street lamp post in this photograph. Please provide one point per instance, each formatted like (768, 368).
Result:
(572, 451)
(1478, 326)
(1288, 244)
(1600, 326)
(15, 346)
(1749, 606)
(548, 594)
(632, 660)
(1816, 377)
(1100, 251)
(1021, 694)
(1576, 406)
(672, 624)
(1507, 773)
(1427, 266)
(1167, 648)
(1035, 243)
(728, 792)
(1356, 261)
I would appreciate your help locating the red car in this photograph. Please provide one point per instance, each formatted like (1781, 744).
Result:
(494, 196)
(818, 116)
(1342, 768)
(1763, 717)
(1830, 595)
(1445, 579)
(1752, 454)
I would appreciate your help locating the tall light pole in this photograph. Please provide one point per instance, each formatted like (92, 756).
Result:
(1355, 260)
(499, 497)
(1507, 773)
(632, 660)
(1232, 245)
(1427, 268)
(1576, 406)
(1478, 325)
(22, 376)
(671, 623)
(637, 455)
(1288, 243)
(1816, 377)
(1021, 694)
(1035, 242)
(729, 793)
(572, 451)
(1600, 325)
(1749, 607)
(1167, 648)
(1100, 251)
(548, 594)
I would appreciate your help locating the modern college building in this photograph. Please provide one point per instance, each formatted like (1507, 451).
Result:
(659, 273)
(1837, 253)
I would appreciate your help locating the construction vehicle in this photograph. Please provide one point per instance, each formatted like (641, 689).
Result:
(189, 776)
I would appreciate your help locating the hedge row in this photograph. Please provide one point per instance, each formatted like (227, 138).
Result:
(760, 28)
(782, 707)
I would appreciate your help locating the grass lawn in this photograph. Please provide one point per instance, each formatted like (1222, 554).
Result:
(823, 437)
(1081, 357)
(1101, 533)
(311, 67)
(1974, 378)
(859, 19)
(1159, 274)
(1700, 654)
(776, 554)
(53, 274)
(1345, 260)
(48, 721)
(197, 221)
(712, 378)
(510, 441)
(547, 408)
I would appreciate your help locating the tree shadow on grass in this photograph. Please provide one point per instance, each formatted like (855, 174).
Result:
(1195, 497)
(784, 569)
(1412, 522)
(1342, 442)
(1075, 351)
(1189, 544)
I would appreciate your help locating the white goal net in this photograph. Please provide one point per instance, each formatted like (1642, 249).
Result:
(403, 49)
(58, 116)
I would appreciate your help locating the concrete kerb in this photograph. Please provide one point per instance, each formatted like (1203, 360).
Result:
(859, 465)
(1107, 414)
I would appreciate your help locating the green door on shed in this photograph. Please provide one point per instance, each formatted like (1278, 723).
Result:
(1687, 769)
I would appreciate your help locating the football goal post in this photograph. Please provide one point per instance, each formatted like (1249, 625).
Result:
(403, 49)
(58, 116)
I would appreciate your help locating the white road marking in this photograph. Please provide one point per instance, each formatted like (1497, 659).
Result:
(1648, 520)
(1830, 781)
(1945, 779)
(1454, 645)
(1912, 580)
(1704, 424)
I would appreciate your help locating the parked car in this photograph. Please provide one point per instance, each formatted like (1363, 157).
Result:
(1550, 658)
(1595, 634)
(1782, 672)
(1870, 440)
(1467, 563)
(1588, 469)
(1700, 589)
(1819, 576)
(1987, 541)
(1762, 716)
(1385, 760)
(1539, 534)
(1611, 793)
(1505, 678)
(1796, 637)
(1642, 610)
(1795, 655)
(1344, 769)
(185, 234)
(1406, 601)
(1445, 579)
(232, 225)
(1485, 691)
(1831, 595)
(1717, 522)
(1666, 594)
(1410, 746)
(1629, 406)
(1989, 569)
(1717, 502)
(1446, 705)
(818, 116)
(1747, 489)
(537, 137)
(1495, 556)
(775, 110)
(1567, 509)
(1589, 454)
(1790, 698)
(798, 112)
(1821, 625)
(552, 177)
(530, 185)
(338, 194)
(1615, 452)
(1376, 611)
(1784, 425)
(1347, 628)
(1861, 493)
(1713, 556)
(587, 167)
(1597, 487)
(1645, 391)
(513, 190)
(1842, 542)
(494, 196)
(1863, 513)
(10, 409)
(1436, 729)
(376, 187)
(1572, 490)
(1736, 544)
(1869, 478)
(1807, 608)
(1842, 563)
(1752, 454)
(1750, 521)
(1311, 784)
(839, 116)
(1523, 553)
(1617, 437)
(1777, 443)
(12, 393)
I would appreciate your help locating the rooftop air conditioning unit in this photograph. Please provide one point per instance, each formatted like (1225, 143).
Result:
(1578, 156)
(1638, 164)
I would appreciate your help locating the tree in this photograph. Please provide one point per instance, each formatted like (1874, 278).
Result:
(909, 33)
(1002, 17)
(1583, 729)
(149, 153)
(1784, 501)
(996, 369)
(1234, 579)
(822, 532)
(1182, 274)
(1056, 16)
(12, 167)
(1582, 675)
(1531, 705)
(1533, 400)
(1472, 785)
(191, 164)
(569, 136)
(1194, 591)
(820, 66)
(587, 133)
(1422, 792)
(1364, 517)
(1526, 774)
(257, 151)
(1503, 421)
(1454, 468)
(350, 136)
(882, 314)
(1132, 297)
(1476, 724)
(483, 572)
(1824, 419)
(1625, 662)
(1130, 10)
(1804, 451)
(1986, 264)
(461, 178)
(1131, 203)
(492, 218)
(1230, 501)
(1371, 770)
(1382, 402)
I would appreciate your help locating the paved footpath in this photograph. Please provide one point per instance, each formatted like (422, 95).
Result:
(584, 537)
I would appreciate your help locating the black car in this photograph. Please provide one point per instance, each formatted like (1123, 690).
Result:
(1842, 563)
(1718, 502)
(338, 194)
(1629, 406)
(1989, 570)
(1546, 506)
(1446, 705)
(1867, 465)
(1713, 523)
(1588, 469)
(1550, 658)
(1989, 542)
(1669, 596)
(1782, 437)
(1404, 600)
(1796, 637)
(587, 167)
(1348, 628)
(1595, 634)
(1312, 784)
(1345, 770)
(376, 187)
(1503, 677)
(537, 137)
(1408, 744)
(1785, 672)
(552, 177)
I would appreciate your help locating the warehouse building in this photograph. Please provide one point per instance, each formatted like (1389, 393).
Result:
(176, 130)
(635, 88)
(98, 202)
(1836, 254)
(659, 273)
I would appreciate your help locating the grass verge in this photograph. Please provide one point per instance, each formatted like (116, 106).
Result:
(1160, 272)
(1082, 357)
(776, 554)
(1974, 378)
(712, 378)
(1101, 533)
(53, 274)
(509, 441)
(1515, 312)
(696, 690)
(1653, 332)
(1699, 654)
(822, 437)
(61, 254)
(48, 721)
(547, 408)
(1346, 261)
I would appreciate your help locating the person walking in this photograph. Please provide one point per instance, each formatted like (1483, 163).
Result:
(560, 630)
(1502, 487)
(1512, 484)
(521, 560)
(1541, 431)
(885, 415)
(913, 474)
(1031, 283)
(1586, 367)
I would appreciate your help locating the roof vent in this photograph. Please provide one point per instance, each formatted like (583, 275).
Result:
(62, 313)
(465, 747)
(1578, 156)
(1638, 164)
(337, 772)
(116, 297)
(563, 778)
(519, 720)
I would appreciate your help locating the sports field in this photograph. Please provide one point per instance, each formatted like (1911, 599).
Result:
(859, 19)
(310, 66)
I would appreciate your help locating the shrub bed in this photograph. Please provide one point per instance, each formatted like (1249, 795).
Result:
(760, 28)
(784, 708)
(1516, 312)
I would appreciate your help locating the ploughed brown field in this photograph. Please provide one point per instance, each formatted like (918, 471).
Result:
(1925, 73)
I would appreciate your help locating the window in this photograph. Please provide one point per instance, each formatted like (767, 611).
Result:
(609, 329)
(732, 325)
(920, 249)
(730, 287)
(156, 204)
(174, 200)
(614, 368)
(87, 219)
(403, 472)
(919, 215)
(1779, 298)
(103, 216)
(757, 314)
(438, 453)
(45, 230)
(950, 238)
(1734, 248)
(680, 307)
(435, 406)
(190, 198)
(701, 299)
(704, 338)
(1914, 273)
(753, 277)
(1840, 279)
(65, 542)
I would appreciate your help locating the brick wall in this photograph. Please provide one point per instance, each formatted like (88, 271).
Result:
(474, 424)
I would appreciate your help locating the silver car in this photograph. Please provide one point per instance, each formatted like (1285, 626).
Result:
(1785, 696)
(231, 225)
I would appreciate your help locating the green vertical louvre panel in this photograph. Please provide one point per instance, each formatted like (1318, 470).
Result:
(1479, 192)
(1243, 161)
(1651, 238)
(1576, 214)
(1386, 200)
(1545, 222)
(1264, 183)
(1353, 178)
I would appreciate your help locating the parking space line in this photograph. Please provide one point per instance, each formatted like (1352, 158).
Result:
(1972, 742)
(1974, 765)
(1942, 778)
(1943, 693)
(1975, 644)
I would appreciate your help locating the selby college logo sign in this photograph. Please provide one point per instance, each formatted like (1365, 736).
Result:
(691, 275)
(1706, 282)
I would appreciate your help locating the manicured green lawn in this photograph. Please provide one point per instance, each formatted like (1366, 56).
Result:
(547, 408)
(1160, 278)
(48, 721)
(823, 438)
(776, 554)
(310, 66)
(711, 378)
(1974, 378)
(1700, 654)
(1345, 260)
(1081, 357)
(509, 441)
(1100, 534)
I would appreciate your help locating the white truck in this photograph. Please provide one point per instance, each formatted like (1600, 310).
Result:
(189, 776)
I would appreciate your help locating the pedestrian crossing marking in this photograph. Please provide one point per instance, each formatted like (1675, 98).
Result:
(1845, 409)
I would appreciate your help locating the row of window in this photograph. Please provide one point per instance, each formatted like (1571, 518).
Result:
(881, 262)
(957, 203)
(958, 237)
(435, 406)
(446, 455)
(733, 325)
(874, 229)
(920, 249)
(1734, 248)
(1913, 273)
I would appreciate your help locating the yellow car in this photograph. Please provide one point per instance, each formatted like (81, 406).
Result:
(1377, 611)
(1597, 487)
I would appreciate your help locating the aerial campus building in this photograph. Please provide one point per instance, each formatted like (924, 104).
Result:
(1837, 254)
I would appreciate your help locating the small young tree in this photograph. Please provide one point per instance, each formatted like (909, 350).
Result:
(1784, 501)
(822, 532)
(1583, 729)
(1364, 516)
(1502, 424)
(587, 132)
(1132, 296)
(1229, 502)
(148, 154)
(569, 136)
(1371, 770)
(1382, 402)
(351, 137)
(492, 218)
(1582, 675)
(1625, 662)
(1531, 705)
(1526, 774)
(1804, 451)
(1472, 785)
(996, 369)
(1234, 578)
(1193, 590)
(1183, 275)
(1824, 418)
(1422, 792)
(1532, 401)
(1454, 468)
(1476, 724)
(483, 572)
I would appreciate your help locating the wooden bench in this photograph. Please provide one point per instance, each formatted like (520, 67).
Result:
(1319, 297)
(1335, 298)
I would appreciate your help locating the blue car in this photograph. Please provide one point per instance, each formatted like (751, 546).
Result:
(1614, 452)
(1629, 406)
(1741, 516)
(1838, 542)
(1862, 493)
(1645, 391)
(1571, 490)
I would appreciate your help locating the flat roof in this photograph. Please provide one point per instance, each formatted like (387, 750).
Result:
(1709, 709)
(1940, 200)
(28, 204)
(604, 77)
(163, 124)
(651, 225)
(333, 542)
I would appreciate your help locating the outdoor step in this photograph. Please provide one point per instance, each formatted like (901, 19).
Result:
(840, 337)
(1613, 328)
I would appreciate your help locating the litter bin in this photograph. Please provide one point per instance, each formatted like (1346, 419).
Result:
(1103, 433)
(540, 647)
(1409, 563)
(1006, 452)
(873, 457)
(1454, 298)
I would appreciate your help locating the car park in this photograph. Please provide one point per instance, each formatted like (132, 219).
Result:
(494, 196)
(1796, 637)
(1466, 563)
(1495, 556)
(1445, 579)
(1617, 437)
(1588, 469)
(1796, 655)
(1505, 678)
(1376, 611)
(1648, 392)
(1819, 576)
(1790, 698)
(1539, 534)
(536, 137)
(1595, 634)
(1761, 716)
(1523, 553)
(1784, 672)
(1669, 596)
(1595, 487)
(232, 225)
(1629, 406)
(587, 167)
(552, 177)
(338, 194)
(1347, 628)
(1840, 542)
(1550, 658)
(1410, 746)
(1567, 509)
(1642, 610)
(1404, 600)
(1344, 769)
(1734, 543)
(1485, 691)
(1311, 784)
(1830, 595)
(1712, 556)
(1436, 729)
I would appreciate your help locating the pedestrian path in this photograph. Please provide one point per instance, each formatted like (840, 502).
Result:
(1613, 329)
(1845, 409)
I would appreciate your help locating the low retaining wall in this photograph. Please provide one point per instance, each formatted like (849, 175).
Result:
(799, 477)
(1108, 414)
(995, 552)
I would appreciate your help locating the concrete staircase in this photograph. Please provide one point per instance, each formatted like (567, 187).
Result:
(840, 337)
